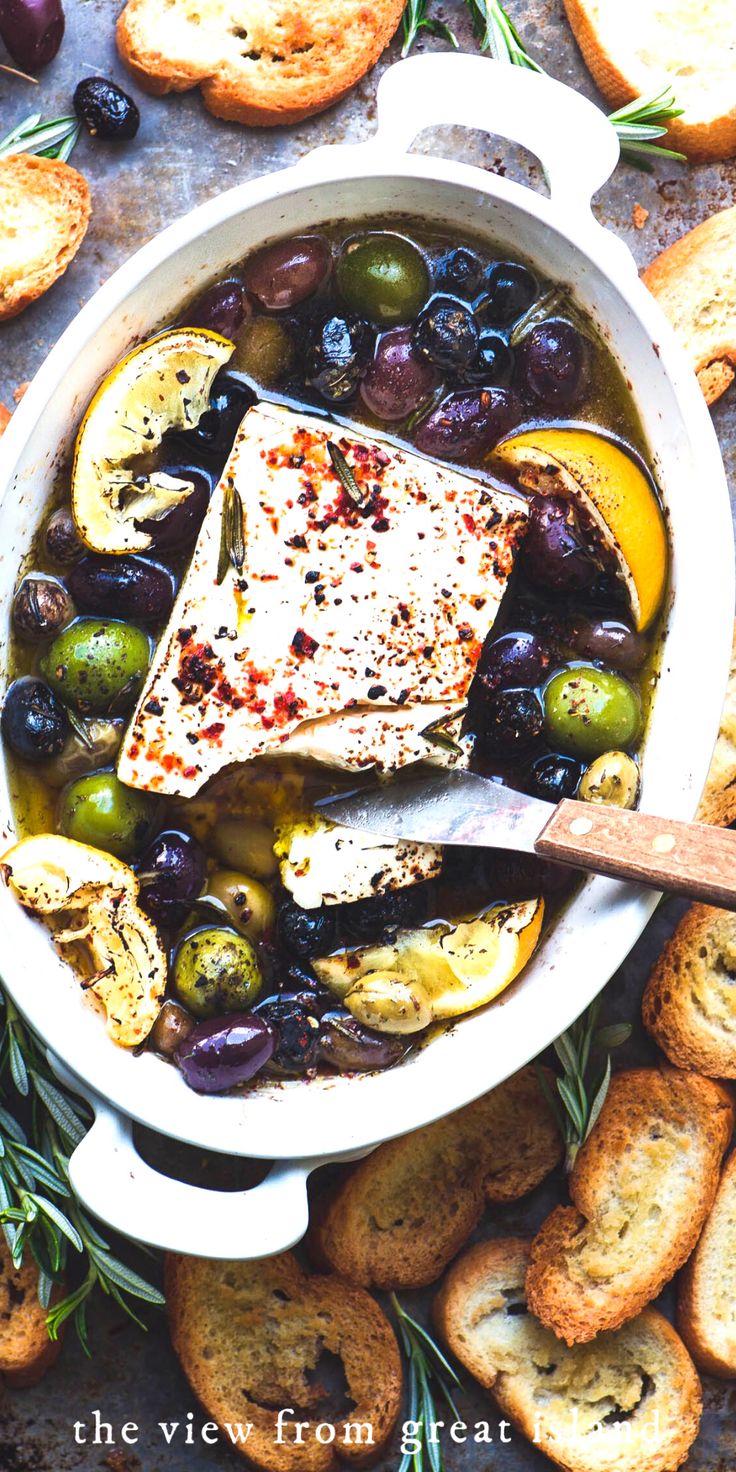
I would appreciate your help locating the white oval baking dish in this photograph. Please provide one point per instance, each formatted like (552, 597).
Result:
(299, 1125)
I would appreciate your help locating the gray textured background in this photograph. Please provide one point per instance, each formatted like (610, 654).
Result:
(181, 157)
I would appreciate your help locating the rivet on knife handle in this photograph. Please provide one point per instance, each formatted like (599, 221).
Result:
(684, 858)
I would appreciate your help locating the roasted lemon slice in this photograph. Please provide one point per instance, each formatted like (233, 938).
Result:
(439, 972)
(617, 495)
(163, 384)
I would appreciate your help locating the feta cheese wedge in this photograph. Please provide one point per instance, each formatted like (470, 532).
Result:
(374, 600)
(322, 863)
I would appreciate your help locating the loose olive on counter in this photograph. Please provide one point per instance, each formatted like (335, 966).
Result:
(612, 779)
(92, 744)
(284, 274)
(34, 723)
(32, 30)
(106, 110)
(41, 607)
(98, 665)
(101, 811)
(589, 711)
(250, 906)
(222, 1052)
(128, 587)
(383, 277)
(215, 971)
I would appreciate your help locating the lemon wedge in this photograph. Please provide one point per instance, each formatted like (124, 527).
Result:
(163, 384)
(436, 973)
(617, 495)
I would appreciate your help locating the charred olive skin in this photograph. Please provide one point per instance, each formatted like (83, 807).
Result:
(62, 540)
(172, 872)
(106, 110)
(216, 971)
(376, 921)
(32, 31)
(459, 272)
(348, 1046)
(589, 711)
(304, 933)
(98, 665)
(130, 587)
(447, 334)
(222, 1052)
(223, 307)
(179, 526)
(398, 380)
(553, 364)
(383, 277)
(41, 607)
(468, 423)
(554, 553)
(552, 777)
(511, 722)
(338, 354)
(296, 1029)
(34, 723)
(100, 811)
(287, 273)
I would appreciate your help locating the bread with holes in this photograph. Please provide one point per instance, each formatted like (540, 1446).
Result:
(706, 1302)
(630, 1402)
(260, 62)
(26, 1352)
(403, 1213)
(641, 1186)
(694, 281)
(44, 214)
(689, 1003)
(635, 48)
(256, 1337)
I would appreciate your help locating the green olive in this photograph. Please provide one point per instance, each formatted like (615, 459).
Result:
(84, 752)
(216, 971)
(98, 665)
(612, 779)
(101, 811)
(245, 845)
(387, 1001)
(250, 905)
(588, 711)
(264, 351)
(383, 277)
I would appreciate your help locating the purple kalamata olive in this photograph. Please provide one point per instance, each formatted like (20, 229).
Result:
(287, 272)
(553, 363)
(468, 424)
(181, 524)
(32, 30)
(610, 640)
(126, 587)
(554, 554)
(398, 380)
(350, 1047)
(63, 542)
(515, 660)
(41, 607)
(172, 872)
(224, 307)
(221, 1052)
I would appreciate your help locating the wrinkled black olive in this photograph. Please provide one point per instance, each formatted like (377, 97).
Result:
(338, 355)
(34, 722)
(296, 1029)
(106, 110)
(377, 920)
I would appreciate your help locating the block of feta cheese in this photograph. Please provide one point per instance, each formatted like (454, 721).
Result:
(322, 863)
(373, 603)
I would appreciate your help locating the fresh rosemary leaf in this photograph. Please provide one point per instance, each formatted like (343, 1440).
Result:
(232, 541)
(579, 1102)
(416, 19)
(79, 729)
(54, 139)
(424, 409)
(345, 476)
(496, 32)
(430, 1377)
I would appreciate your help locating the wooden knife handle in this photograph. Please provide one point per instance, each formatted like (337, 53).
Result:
(685, 858)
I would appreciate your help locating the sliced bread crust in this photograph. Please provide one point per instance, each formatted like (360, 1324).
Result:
(706, 1307)
(403, 1213)
(689, 1002)
(270, 63)
(694, 281)
(634, 48)
(642, 1186)
(631, 1402)
(26, 1352)
(44, 214)
(250, 1337)
(718, 803)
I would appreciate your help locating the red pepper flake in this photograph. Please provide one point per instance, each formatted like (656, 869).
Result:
(214, 731)
(469, 521)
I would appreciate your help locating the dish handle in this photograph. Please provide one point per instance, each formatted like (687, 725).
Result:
(129, 1195)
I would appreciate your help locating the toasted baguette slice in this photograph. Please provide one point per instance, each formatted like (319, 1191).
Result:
(689, 1003)
(694, 282)
(277, 63)
(250, 1337)
(706, 1306)
(405, 1211)
(642, 1187)
(718, 803)
(633, 48)
(44, 213)
(631, 1402)
(26, 1352)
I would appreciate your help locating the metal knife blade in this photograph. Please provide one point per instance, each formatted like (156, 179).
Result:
(457, 808)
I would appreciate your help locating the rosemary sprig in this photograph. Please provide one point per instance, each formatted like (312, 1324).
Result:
(416, 20)
(429, 1375)
(358, 496)
(232, 541)
(38, 1210)
(496, 32)
(55, 139)
(580, 1097)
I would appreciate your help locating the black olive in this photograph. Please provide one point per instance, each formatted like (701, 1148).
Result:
(338, 353)
(305, 933)
(377, 920)
(128, 587)
(511, 721)
(106, 111)
(62, 539)
(459, 271)
(553, 777)
(494, 362)
(447, 333)
(511, 290)
(214, 435)
(41, 607)
(296, 1029)
(34, 722)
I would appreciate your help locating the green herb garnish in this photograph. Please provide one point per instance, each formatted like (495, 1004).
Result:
(232, 539)
(38, 1210)
(437, 735)
(580, 1097)
(430, 1377)
(496, 32)
(416, 20)
(55, 139)
(345, 476)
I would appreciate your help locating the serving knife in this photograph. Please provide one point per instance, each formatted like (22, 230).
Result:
(462, 808)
